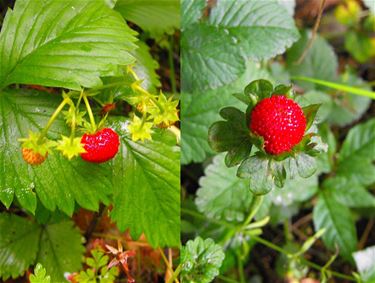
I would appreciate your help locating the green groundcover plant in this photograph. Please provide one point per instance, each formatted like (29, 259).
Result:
(83, 123)
(278, 145)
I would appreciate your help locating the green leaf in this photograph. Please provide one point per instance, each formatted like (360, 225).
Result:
(63, 43)
(18, 245)
(23, 242)
(200, 110)
(222, 195)
(357, 154)
(232, 136)
(317, 97)
(350, 193)
(55, 255)
(209, 58)
(319, 62)
(191, 12)
(257, 168)
(57, 179)
(349, 107)
(365, 262)
(201, 260)
(40, 275)
(290, 5)
(146, 66)
(146, 182)
(214, 51)
(335, 217)
(346, 107)
(156, 17)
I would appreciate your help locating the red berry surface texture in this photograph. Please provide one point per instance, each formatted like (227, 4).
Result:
(281, 123)
(101, 146)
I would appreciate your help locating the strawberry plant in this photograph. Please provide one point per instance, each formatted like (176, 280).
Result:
(277, 142)
(87, 124)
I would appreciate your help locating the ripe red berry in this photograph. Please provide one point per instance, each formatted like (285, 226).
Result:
(281, 123)
(32, 157)
(101, 146)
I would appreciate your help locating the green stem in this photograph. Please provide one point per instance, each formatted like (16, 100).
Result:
(53, 118)
(341, 87)
(175, 273)
(303, 260)
(241, 271)
(255, 205)
(171, 66)
(88, 107)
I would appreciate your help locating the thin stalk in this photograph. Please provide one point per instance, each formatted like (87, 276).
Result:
(341, 87)
(255, 205)
(53, 118)
(88, 107)
(241, 271)
(175, 274)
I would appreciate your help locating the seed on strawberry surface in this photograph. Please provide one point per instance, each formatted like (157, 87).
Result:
(101, 146)
(32, 157)
(281, 123)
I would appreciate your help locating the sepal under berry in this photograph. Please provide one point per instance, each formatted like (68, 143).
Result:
(35, 148)
(231, 135)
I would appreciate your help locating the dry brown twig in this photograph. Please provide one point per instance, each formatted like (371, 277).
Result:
(314, 33)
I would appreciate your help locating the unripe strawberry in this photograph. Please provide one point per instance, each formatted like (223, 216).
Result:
(32, 157)
(281, 123)
(101, 146)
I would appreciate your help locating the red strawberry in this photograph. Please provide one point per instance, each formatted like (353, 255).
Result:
(101, 146)
(32, 157)
(280, 121)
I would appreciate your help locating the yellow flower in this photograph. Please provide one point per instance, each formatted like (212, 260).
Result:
(140, 129)
(165, 112)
